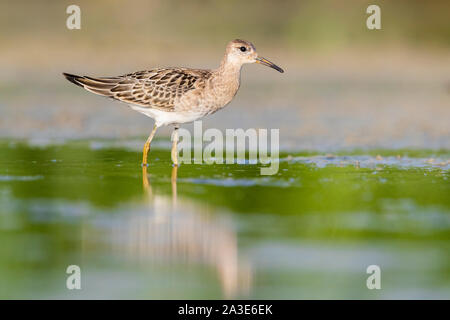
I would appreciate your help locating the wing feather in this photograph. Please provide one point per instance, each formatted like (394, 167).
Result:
(156, 88)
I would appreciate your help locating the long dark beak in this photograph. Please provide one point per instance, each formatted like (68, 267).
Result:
(266, 62)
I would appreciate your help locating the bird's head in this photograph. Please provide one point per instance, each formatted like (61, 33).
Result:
(241, 51)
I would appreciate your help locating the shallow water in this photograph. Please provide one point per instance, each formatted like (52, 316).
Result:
(222, 231)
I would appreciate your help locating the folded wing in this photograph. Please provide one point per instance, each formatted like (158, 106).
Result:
(157, 88)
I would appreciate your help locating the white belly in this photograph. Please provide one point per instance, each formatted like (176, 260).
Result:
(164, 118)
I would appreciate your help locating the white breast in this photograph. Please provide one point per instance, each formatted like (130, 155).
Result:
(164, 118)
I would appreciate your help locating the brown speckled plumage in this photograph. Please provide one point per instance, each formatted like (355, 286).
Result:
(156, 88)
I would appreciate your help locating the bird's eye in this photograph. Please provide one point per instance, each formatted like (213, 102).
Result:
(243, 49)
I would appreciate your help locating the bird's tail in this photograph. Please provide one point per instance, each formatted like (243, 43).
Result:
(101, 86)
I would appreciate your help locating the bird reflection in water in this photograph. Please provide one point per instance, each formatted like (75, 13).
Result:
(180, 231)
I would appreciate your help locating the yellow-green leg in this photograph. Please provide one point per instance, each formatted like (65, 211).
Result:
(174, 152)
(147, 146)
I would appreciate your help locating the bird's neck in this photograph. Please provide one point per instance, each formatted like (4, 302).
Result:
(229, 70)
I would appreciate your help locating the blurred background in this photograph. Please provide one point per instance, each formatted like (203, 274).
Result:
(364, 165)
(345, 86)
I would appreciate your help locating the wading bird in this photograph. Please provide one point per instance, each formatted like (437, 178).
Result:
(172, 96)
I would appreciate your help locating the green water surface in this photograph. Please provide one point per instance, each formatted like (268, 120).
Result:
(221, 231)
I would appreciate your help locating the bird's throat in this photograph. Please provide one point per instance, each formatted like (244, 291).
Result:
(229, 73)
